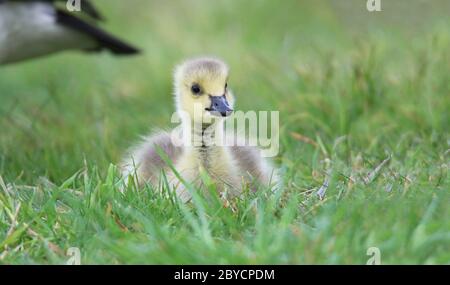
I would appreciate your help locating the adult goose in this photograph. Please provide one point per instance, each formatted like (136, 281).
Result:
(34, 28)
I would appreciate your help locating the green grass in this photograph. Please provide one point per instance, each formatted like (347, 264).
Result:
(352, 88)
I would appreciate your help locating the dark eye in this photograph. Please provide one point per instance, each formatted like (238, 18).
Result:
(196, 89)
(226, 86)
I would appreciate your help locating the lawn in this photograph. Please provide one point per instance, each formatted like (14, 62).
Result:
(364, 102)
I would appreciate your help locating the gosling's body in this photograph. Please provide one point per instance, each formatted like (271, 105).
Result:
(231, 167)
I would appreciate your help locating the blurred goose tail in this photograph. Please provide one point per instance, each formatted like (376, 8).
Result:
(104, 39)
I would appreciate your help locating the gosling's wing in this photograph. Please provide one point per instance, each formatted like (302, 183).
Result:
(31, 29)
(144, 159)
(248, 159)
(251, 162)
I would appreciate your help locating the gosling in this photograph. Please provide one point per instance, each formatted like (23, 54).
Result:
(203, 101)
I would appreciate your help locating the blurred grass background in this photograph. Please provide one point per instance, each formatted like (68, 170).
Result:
(352, 88)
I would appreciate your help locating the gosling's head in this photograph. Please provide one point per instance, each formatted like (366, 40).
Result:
(201, 89)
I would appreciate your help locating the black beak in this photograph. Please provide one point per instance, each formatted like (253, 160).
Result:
(219, 106)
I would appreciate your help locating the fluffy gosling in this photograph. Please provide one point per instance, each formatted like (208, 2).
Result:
(203, 101)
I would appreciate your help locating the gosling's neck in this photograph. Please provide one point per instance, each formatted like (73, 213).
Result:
(206, 142)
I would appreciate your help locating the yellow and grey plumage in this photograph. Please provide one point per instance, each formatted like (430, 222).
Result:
(231, 166)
